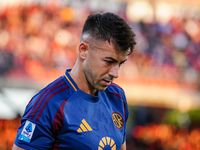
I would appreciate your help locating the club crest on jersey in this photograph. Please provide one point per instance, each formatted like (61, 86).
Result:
(27, 131)
(118, 120)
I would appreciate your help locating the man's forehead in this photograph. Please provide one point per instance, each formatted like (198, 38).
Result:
(113, 54)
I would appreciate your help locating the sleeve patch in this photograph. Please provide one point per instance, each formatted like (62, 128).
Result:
(27, 131)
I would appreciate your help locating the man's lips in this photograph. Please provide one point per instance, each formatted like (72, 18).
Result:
(107, 82)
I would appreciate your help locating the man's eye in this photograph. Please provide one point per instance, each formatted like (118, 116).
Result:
(109, 62)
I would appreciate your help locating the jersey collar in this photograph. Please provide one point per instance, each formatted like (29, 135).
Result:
(71, 81)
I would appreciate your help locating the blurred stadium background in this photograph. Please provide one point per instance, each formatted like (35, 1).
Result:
(39, 39)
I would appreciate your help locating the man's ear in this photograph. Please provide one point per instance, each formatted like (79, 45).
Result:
(83, 49)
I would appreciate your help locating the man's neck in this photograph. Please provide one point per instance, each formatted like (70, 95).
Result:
(79, 78)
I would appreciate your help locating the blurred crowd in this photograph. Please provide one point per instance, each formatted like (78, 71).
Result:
(169, 51)
(40, 42)
(8, 131)
(163, 137)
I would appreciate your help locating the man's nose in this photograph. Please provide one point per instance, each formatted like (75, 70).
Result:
(114, 71)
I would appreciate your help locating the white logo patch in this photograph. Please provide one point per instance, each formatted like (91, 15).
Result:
(27, 131)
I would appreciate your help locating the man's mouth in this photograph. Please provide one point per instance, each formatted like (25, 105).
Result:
(107, 82)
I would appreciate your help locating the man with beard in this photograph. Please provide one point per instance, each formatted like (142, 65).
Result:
(84, 109)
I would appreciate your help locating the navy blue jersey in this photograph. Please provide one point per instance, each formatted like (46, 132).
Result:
(61, 116)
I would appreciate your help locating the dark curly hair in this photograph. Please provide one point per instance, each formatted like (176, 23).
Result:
(112, 28)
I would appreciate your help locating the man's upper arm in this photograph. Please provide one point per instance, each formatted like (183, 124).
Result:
(15, 147)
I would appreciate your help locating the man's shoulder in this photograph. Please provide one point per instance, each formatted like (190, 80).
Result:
(56, 86)
(54, 92)
(48, 100)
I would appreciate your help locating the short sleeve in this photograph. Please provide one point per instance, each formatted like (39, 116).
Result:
(34, 134)
(31, 135)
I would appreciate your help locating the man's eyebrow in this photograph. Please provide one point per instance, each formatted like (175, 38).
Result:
(116, 60)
